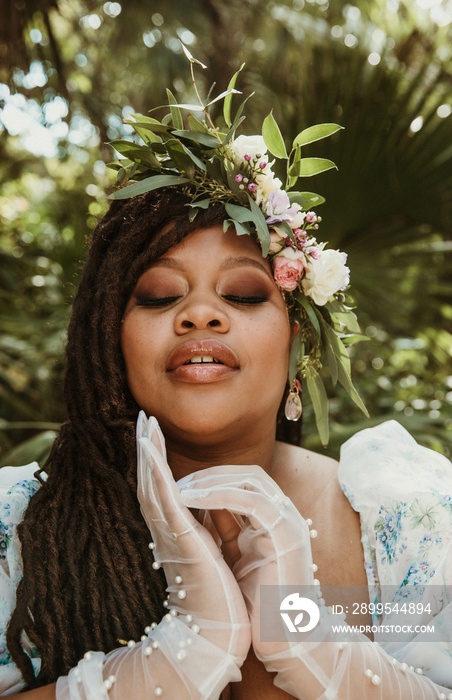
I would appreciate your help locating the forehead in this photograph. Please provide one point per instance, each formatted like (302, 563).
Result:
(210, 245)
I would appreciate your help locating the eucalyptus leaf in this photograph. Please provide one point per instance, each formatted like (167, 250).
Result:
(193, 213)
(241, 228)
(147, 185)
(306, 167)
(200, 203)
(315, 133)
(239, 213)
(320, 404)
(228, 97)
(296, 351)
(273, 137)
(176, 115)
(310, 200)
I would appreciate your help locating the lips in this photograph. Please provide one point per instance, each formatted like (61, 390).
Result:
(202, 361)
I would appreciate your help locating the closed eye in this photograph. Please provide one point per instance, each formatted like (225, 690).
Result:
(245, 300)
(159, 302)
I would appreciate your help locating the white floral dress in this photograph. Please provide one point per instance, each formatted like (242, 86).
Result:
(403, 493)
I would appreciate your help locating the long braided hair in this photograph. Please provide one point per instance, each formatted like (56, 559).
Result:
(88, 581)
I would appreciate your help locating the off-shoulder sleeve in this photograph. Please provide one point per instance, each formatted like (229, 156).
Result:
(17, 485)
(403, 494)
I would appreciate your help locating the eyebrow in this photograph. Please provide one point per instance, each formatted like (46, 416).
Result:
(229, 263)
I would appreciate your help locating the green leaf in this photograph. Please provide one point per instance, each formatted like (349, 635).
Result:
(181, 157)
(197, 161)
(309, 310)
(196, 125)
(315, 133)
(190, 57)
(332, 340)
(320, 404)
(241, 214)
(148, 184)
(228, 98)
(296, 352)
(307, 200)
(284, 226)
(261, 227)
(222, 95)
(176, 115)
(138, 154)
(200, 203)
(190, 107)
(272, 137)
(311, 166)
(241, 228)
(204, 139)
(193, 213)
(153, 126)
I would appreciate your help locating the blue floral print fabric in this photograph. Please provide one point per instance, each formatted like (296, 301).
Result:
(17, 485)
(403, 494)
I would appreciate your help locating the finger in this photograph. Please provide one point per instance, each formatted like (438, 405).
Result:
(247, 477)
(228, 529)
(262, 511)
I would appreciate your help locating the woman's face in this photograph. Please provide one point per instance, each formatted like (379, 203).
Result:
(206, 338)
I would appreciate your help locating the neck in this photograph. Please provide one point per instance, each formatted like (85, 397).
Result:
(188, 458)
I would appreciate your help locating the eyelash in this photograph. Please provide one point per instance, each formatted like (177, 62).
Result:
(166, 301)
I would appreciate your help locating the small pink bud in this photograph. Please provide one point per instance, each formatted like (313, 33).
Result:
(247, 156)
(238, 177)
(311, 217)
(251, 187)
(315, 254)
(241, 187)
(263, 165)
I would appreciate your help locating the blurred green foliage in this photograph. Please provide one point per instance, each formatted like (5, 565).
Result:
(70, 73)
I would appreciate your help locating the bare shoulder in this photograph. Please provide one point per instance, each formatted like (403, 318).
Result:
(311, 482)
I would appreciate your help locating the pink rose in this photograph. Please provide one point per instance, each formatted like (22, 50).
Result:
(288, 268)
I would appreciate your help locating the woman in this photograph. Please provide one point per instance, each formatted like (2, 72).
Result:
(183, 319)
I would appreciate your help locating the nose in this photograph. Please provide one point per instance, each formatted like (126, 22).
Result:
(201, 313)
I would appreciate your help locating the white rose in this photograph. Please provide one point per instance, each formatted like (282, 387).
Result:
(251, 146)
(266, 182)
(325, 276)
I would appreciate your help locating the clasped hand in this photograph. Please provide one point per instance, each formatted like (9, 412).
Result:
(263, 537)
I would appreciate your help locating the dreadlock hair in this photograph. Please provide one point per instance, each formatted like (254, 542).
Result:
(88, 581)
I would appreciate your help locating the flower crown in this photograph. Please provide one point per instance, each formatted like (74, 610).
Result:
(210, 165)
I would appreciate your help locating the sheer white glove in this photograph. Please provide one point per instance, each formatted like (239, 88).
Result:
(272, 547)
(200, 644)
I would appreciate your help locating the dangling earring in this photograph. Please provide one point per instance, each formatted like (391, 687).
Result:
(293, 408)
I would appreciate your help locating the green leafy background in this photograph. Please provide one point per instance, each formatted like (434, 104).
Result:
(382, 71)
